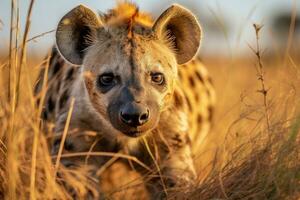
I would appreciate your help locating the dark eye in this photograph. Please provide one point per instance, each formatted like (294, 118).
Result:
(158, 78)
(106, 80)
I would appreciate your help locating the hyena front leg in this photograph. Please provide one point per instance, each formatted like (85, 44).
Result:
(76, 169)
(176, 167)
(82, 167)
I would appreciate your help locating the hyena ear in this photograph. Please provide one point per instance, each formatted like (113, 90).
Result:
(75, 32)
(180, 27)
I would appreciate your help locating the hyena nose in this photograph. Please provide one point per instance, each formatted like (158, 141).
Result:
(134, 114)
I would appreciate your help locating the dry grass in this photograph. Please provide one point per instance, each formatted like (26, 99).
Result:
(252, 152)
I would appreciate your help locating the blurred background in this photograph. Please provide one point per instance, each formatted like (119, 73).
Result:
(227, 24)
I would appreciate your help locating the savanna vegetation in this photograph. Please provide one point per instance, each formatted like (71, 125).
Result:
(253, 151)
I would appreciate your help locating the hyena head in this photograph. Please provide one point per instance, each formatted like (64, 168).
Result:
(129, 64)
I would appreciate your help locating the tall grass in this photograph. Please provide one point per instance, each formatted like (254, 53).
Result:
(27, 170)
(257, 159)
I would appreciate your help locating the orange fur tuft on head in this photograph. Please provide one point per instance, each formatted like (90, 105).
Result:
(126, 11)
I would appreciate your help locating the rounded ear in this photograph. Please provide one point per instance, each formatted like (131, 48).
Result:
(75, 32)
(180, 27)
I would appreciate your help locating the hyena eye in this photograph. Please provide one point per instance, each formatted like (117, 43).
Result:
(107, 79)
(158, 78)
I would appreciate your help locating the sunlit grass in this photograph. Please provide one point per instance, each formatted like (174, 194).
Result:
(252, 152)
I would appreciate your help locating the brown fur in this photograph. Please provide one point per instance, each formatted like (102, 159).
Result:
(128, 43)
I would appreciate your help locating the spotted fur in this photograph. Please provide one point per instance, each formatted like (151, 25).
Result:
(186, 103)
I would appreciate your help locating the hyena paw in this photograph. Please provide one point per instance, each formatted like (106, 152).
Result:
(181, 179)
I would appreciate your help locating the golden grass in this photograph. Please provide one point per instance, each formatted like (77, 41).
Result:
(252, 152)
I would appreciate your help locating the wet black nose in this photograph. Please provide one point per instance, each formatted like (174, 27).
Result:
(134, 114)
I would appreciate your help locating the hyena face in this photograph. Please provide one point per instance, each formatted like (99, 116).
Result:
(129, 66)
(128, 86)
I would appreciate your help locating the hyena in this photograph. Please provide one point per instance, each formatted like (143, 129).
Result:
(137, 87)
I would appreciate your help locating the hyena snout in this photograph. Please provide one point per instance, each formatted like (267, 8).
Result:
(134, 114)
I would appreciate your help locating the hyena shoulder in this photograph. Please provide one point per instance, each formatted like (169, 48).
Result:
(197, 87)
(60, 78)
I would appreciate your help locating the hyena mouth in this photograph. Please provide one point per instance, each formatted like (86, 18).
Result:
(135, 133)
